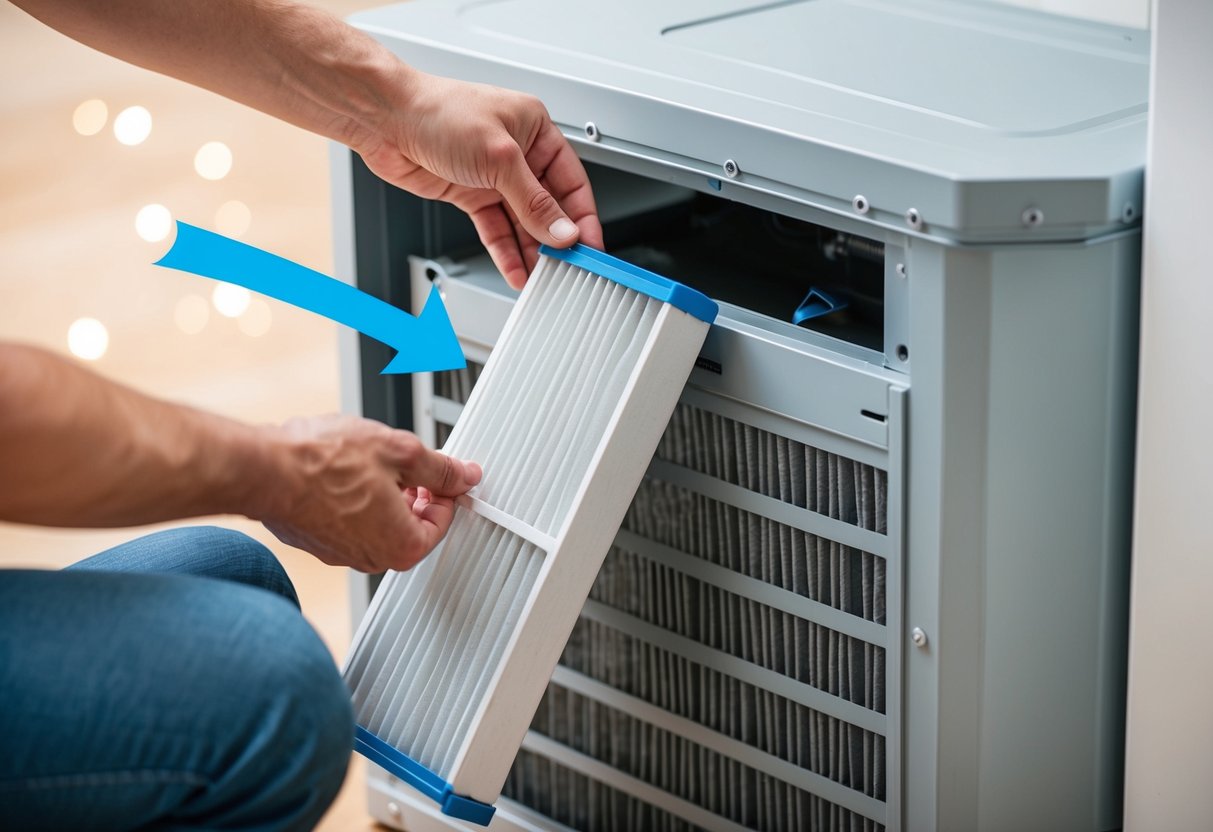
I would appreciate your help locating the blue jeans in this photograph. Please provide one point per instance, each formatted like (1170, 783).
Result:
(169, 683)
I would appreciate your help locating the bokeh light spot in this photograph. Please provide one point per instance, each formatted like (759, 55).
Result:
(153, 222)
(90, 117)
(213, 160)
(88, 338)
(230, 300)
(133, 125)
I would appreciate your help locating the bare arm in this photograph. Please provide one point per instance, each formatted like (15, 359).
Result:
(494, 153)
(78, 450)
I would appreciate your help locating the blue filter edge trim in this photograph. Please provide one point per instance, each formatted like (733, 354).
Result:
(421, 778)
(689, 300)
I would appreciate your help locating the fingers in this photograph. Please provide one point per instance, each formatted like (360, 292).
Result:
(421, 467)
(497, 233)
(429, 524)
(555, 184)
(566, 179)
(527, 243)
(435, 514)
(537, 210)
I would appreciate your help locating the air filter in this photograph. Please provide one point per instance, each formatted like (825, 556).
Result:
(453, 657)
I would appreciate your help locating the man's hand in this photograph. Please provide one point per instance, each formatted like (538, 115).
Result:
(78, 450)
(494, 153)
(351, 493)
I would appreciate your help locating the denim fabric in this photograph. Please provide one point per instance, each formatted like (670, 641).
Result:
(159, 685)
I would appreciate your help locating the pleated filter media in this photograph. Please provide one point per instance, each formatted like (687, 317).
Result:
(453, 657)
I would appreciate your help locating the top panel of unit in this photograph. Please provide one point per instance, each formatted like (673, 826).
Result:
(994, 123)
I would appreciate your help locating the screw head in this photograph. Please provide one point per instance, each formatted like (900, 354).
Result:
(919, 637)
(860, 203)
(914, 219)
(901, 270)
(393, 809)
(1128, 213)
(591, 131)
(1032, 217)
(731, 169)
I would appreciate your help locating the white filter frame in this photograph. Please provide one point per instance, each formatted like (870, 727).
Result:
(572, 554)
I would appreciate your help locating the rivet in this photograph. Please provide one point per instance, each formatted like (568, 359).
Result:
(591, 131)
(901, 270)
(919, 637)
(731, 169)
(914, 219)
(393, 809)
(1032, 217)
(860, 203)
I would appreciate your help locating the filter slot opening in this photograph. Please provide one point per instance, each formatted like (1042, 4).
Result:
(750, 257)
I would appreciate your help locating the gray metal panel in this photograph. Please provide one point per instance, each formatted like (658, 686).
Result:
(1057, 541)
(970, 113)
(895, 600)
(1017, 503)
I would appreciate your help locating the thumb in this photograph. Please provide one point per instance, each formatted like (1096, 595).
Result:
(445, 476)
(536, 209)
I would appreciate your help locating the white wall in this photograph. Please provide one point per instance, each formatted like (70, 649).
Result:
(1169, 783)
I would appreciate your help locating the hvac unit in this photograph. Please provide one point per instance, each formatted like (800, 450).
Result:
(875, 577)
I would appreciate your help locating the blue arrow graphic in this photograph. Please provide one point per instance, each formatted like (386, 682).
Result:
(423, 344)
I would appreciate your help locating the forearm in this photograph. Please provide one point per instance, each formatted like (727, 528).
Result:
(78, 450)
(299, 64)
(494, 153)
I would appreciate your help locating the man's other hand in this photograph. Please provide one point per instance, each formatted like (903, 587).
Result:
(358, 493)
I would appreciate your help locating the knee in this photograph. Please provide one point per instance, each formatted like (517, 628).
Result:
(234, 556)
(316, 731)
(313, 691)
(298, 721)
(205, 551)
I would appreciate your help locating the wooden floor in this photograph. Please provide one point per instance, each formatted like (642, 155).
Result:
(68, 249)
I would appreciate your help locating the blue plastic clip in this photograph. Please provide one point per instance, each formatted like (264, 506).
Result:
(421, 778)
(816, 304)
(682, 297)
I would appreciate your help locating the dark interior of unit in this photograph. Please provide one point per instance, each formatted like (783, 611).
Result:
(747, 256)
(733, 252)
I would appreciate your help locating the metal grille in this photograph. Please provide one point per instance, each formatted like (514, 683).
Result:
(581, 802)
(730, 660)
(456, 385)
(748, 630)
(737, 709)
(724, 786)
(777, 467)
